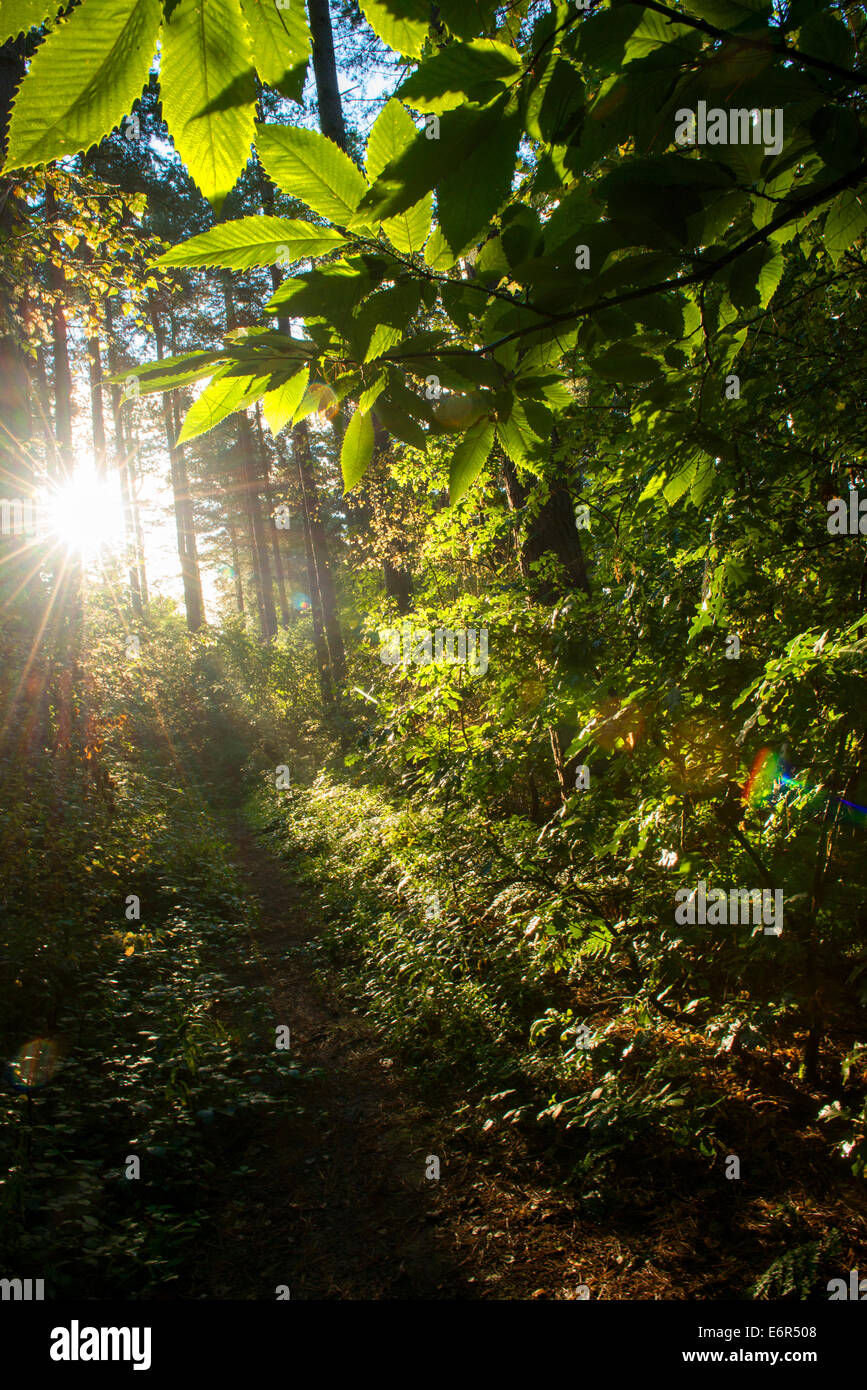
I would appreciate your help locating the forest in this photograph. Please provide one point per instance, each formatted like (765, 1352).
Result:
(433, 619)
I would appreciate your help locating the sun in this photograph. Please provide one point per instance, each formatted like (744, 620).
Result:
(86, 512)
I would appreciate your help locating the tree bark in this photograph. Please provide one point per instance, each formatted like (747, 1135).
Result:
(551, 529)
(236, 564)
(97, 414)
(327, 593)
(261, 561)
(251, 481)
(331, 121)
(186, 535)
(60, 344)
(121, 460)
(300, 444)
(272, 524)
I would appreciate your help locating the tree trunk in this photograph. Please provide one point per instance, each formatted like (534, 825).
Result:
(141, 569)
(249, 465)
(97, 415)
(300, 444)
(327, 593)
(398, 580)
(325, 71)
(121, 460)
(551, 529)
(187, 549)
(327, 637)
(272, 525)
(18, 572)
(60, 343)
(236, 564)
(261, 561)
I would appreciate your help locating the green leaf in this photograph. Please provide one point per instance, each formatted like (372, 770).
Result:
(208, 91)
(402, 24)
(83, 79)
(624, 363)
(727, 14)
(399, 423)
(437, 253)
(20, 16)
(467, 18)
(426, 162)
(556, 103)
(254, 241)
(453, 75)
(368, 397)
(470, 458)
(280, 44)
(393, 132)
(281, 404)
(754, 277)
(656, 31)
(329, 291)
(221, 397)
(680, 483)
(383, 319)
(171, 371)
(825, 36)
(517, 437)
(310, 167)
(468, 198)
(357, 450)
(846, 220)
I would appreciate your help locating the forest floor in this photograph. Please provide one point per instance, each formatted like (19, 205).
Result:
(343, 1208)
(264, 1171)
(338, 1205)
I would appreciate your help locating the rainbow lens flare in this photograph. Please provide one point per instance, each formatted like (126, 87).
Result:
(768, 773)
(771, 776)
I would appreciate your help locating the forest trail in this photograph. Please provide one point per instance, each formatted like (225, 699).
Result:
(342, 1208)
(337, 1205)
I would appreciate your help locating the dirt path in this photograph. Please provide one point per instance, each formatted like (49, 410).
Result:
(341, 1206)
(337, 1205)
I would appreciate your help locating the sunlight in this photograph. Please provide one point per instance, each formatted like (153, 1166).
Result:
(86, 512)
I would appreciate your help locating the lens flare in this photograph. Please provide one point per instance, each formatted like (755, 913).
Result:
(765, 774)
(86, 512)
(771, 776)
(34, 1065)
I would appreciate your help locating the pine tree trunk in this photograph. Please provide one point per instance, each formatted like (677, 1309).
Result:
(60, 344)
(184, 527)
(236, 564)
(121, 461)
(319, 543)
(272, 525)
(249, 465)
(261, 561)
(17, 569)
(331, 121)
(300, 444)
